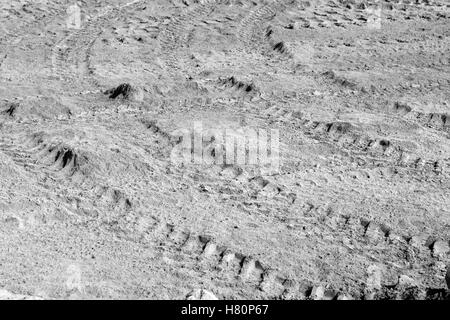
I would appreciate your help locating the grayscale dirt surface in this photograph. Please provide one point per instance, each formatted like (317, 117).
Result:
(92, 205)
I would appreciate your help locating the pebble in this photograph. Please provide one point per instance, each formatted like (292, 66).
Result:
(201, 294)
(440, 248)
(318, 293)
(405, 281)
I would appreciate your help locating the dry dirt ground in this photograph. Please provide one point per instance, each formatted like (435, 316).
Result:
(92, 204)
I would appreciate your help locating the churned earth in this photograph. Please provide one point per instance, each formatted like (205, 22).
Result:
(96, 201)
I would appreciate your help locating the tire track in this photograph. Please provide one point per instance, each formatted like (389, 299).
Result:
(245, 269)
(175, 38)
(345, 136)
(42, 159)
(379, 233)
(75, 48)
(256, 32)
(18, 32)
(270, 282)
(439, 121)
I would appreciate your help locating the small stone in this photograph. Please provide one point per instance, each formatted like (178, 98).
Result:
(418, 241)
(259, 181)
(201, 294)
(231, 172)
(440, 248)
(405, 281)
(396, 238)
(270, 190)
(374, 233)
(318, 293)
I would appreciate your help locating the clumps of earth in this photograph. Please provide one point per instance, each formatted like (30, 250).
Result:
(126, 91)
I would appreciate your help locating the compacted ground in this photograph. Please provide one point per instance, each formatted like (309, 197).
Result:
(95, 202)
